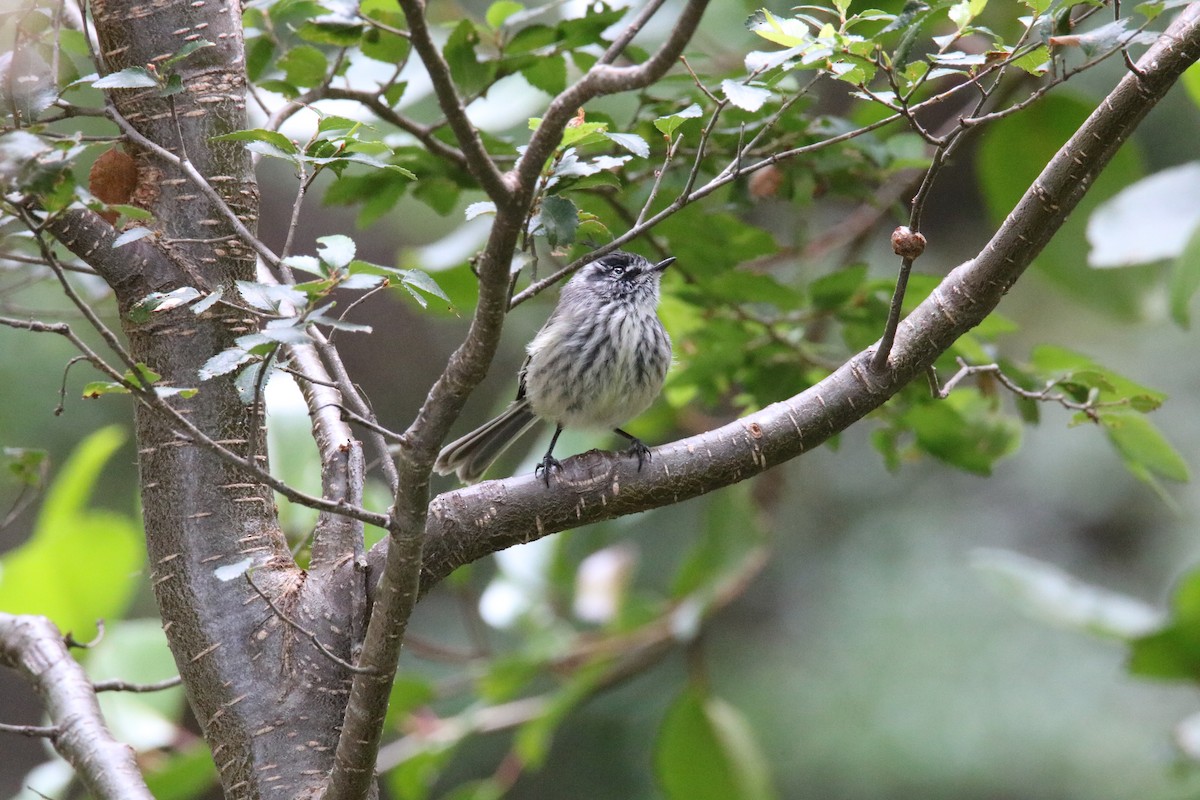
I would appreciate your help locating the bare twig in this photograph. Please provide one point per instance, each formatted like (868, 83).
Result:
(138, 688)
(32, 731)
(478, 162)
(34, 647)
(312, 637)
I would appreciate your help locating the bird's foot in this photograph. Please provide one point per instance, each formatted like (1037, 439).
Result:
(638, 448)
(542, 470)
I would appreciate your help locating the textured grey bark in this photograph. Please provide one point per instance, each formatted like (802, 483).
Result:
(270, 703)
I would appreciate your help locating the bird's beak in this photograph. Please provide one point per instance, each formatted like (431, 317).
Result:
(660, 266)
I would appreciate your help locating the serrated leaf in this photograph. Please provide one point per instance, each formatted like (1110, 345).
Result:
(745, 97)
(187, 50)
(421, 280)
(1142, 446)
(132, 235)
(501, 10)
(310, 264)
(131, 212)
(337, 251)
(477, 209)
(631, 142)
(157, 302)
(208, 302)
(786, 32)
(223, 362)
(548, 73)
(172, 86)
(268, 296)
(250, 380)
(336, 31)
(471, 74)
(1035, 62)
(671, 122)
(304, 66)
(560, 219)
(274, 138)
(128, 78)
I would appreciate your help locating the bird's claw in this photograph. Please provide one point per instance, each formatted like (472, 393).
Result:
(638, 448)
(542, 470)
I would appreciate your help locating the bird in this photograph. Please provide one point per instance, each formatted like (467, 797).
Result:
(599, 361)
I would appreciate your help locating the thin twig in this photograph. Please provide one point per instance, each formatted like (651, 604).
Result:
(312, 637)
(32, 731)
(126, 686)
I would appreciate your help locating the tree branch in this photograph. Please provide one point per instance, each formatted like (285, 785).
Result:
(34, 647)
(480, 164)
(597, 486)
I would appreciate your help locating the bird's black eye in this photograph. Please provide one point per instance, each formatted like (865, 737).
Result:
(618, 270)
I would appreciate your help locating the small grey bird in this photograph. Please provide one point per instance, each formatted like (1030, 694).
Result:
(598, 361)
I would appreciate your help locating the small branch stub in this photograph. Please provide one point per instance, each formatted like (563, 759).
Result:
(907, 243)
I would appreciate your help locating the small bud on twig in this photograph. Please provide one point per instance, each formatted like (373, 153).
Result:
(907, 243)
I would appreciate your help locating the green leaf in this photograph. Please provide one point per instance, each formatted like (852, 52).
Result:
(183, 774)
(28, 465)
(274, 138)
(269, 296)
(964, 430)
(705, 751)
(128, 78)
(560, 219)
(1144, 449)
(548, 74)
(1173, 652)
(304, 66)
(157, 302)
(670, 123)
(745, 96)
(1191, 83)
(186, 50)
(259, 52)
(337, 251)
(335, 31)
(501, 10)
(631, 142)
(81, 563)
(785, 32)
(1035, 62)
(837, 288)
(1185, 280)
(471, 74)
(223, 362)
(380, 45)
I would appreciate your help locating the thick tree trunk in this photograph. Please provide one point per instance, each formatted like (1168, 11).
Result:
(269, 701)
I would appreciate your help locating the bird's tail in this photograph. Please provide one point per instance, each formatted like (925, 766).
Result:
(471, 455)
